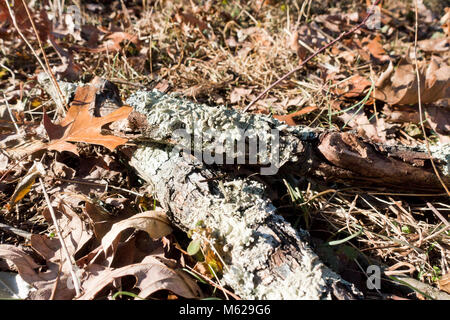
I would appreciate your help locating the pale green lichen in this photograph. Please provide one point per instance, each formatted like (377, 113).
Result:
(237, 211)
(441, 152)
(237, 214)
(217, 132)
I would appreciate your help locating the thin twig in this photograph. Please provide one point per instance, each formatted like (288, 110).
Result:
(287, 75)
(58, 89)
(76, 282)
(11, 115)
(101, 185)
(17, 232)
(438, 214)
(47, 71)
(215, 285)
(416, 28)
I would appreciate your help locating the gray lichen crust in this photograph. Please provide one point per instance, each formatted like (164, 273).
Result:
(210, 128)
(264, 257)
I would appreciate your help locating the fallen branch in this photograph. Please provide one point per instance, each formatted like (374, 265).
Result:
(302, 151)
(264, 256)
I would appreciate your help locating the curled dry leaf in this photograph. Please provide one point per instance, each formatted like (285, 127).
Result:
(151, 275)
(22, 261)
(72, 227)
(75, 236)
(113, 42)
(289, 118)
(353, 86)
(399, 86)
(57, 270)
(444, 283)
(25, 184)
(155, 223)
(44, 281)
(22, 188)
(375, 48)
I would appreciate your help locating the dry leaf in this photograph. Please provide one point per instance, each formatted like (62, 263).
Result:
(444, 283)
(151, 276)
(400, 86)
(75, 236)
(368, 129)
(155, 223)
(376, 49)
(304, 38)
(114, 40)
(435, 45)
(189, 18)
(72, 227)
(44, 282)
(439, 120)
(238, 93)
(50, 249)
(80, 126)
(289, 119)
(22, 261)
(25, 184)
(353, 87)
(445, 21)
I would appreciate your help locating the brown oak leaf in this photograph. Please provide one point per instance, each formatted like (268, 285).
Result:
(80, 126)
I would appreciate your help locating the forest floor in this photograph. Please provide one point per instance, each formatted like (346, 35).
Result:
(226, 53)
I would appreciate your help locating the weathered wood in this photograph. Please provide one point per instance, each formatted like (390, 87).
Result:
(265, 258)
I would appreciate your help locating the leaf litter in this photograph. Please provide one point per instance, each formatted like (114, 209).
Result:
(218, 53)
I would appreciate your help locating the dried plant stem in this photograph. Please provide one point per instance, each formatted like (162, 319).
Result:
(10, 114)
(416, 28)
(106, 186)
(215, 285)
(18, 232)
(76, 282)
(287, 75)
(47, 69)
(438, 214)
(58, 89)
